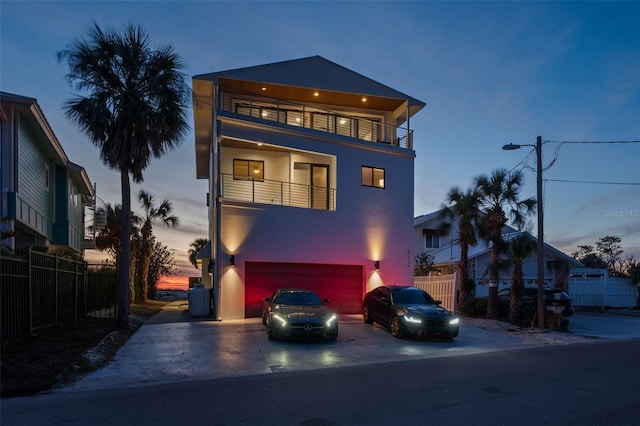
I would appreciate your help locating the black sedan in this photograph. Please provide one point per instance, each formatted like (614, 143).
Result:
(555, 299)
(409, 310)
(298, 313)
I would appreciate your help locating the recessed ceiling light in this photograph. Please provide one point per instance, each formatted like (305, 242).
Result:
(364, 99)
(259, 143)
(263, 88)
(316, 94)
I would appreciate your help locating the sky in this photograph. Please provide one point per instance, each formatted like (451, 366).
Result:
(491, 73)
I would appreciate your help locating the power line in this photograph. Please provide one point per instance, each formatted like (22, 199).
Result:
(595, 182)
(596, 142)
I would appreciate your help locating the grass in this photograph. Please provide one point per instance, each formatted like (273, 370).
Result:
(58, 355)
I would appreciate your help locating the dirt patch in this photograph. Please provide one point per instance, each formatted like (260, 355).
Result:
(57, 356)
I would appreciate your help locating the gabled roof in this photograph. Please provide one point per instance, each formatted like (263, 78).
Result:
(32, 113)
(313, 72)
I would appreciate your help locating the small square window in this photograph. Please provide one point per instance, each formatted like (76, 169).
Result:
(372, 176)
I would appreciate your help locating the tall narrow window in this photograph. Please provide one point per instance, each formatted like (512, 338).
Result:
(248, 169)
(46, 177)
(372, 176)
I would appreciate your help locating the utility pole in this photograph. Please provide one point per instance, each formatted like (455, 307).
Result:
(540, 247)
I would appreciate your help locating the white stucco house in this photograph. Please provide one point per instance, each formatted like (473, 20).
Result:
(446, 256)
(310, 168)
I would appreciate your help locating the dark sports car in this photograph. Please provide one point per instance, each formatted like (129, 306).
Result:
(409, 310)
(298, 313)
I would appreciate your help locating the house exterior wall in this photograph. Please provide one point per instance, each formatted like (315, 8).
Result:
(285, 126)
(368, 223)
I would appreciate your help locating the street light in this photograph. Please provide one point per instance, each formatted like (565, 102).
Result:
(540, 245)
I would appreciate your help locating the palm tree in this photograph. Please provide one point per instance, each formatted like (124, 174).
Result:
(500, 192)
(152, 212)
(463, 206)
(133, 106)
(195, 247)
(519, 249)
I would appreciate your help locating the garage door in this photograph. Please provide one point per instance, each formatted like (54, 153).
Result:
(342, 284)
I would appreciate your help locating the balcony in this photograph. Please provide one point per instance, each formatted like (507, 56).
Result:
(263, 108)
(265, 191)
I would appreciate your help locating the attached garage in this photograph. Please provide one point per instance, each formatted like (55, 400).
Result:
(343, 285)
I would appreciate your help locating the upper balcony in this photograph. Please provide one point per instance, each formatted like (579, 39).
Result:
(364, 126)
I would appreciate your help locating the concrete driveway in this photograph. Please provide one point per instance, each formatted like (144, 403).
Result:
(174, 347)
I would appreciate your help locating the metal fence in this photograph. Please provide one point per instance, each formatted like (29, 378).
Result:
(44, 290)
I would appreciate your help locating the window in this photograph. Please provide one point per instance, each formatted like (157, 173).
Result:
(46, 177)
(248, 169)
(431, 238)
(372, 176)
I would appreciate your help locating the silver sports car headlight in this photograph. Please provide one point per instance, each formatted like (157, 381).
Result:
(409, 318)
(280, 320)
(454, 321)
(331, 320)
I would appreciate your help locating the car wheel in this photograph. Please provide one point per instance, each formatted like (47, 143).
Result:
(397, 329)
(365, 315)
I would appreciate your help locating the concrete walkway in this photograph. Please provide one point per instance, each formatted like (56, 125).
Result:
(172, 346)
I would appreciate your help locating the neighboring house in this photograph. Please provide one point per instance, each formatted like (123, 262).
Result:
(310, 168)
(446, 255)
(43, 193)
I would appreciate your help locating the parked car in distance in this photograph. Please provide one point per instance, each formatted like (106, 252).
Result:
(291, 313)
(408, 310)
(555, 299)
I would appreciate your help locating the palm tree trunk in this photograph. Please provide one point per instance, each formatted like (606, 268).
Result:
(464, 257)
(124, 260)
(516, 295)
(492, 299)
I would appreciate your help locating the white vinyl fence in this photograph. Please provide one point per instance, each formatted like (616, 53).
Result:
(597, 288)
(440, 287)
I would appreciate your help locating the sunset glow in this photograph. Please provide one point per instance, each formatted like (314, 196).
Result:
(178, 282)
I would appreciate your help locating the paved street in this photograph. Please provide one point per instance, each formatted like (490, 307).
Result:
(577, 384)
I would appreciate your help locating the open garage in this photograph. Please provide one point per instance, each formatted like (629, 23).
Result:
(343, 285)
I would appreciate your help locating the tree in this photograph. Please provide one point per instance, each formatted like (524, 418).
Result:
(162, 264)
(500, 192)
(463, 206)
(518, 250)
(610, 250)
(588, 257)
(423, 265)
(152, 213)
(196, 247)
(133, 105)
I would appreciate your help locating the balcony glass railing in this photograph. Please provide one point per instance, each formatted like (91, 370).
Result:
(265, 191)
(310, 117)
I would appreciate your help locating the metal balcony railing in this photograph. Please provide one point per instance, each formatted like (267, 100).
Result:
(265, 191)
(300, 115)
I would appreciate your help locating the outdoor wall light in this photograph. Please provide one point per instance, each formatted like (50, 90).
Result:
(377, 265)
(232, 259)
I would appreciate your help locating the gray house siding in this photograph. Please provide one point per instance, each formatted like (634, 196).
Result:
(34, 204)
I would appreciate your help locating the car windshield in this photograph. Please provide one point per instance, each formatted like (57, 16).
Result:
(298, 298)
(412, 297)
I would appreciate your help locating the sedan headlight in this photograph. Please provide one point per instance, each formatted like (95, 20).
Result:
(280, 320)
(454, 321)
(409, 318)
(331, 320)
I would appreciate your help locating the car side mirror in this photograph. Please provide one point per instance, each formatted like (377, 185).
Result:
(385, 300)
(438, 302)
(266, 299)
(326, 300)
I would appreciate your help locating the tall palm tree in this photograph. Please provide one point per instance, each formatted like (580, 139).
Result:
(500, 192)
(133, 105)
(194, 248)
(518, 250)
(153, 212)
(463, 206)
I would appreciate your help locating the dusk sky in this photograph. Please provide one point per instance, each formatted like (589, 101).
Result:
(491, 73)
